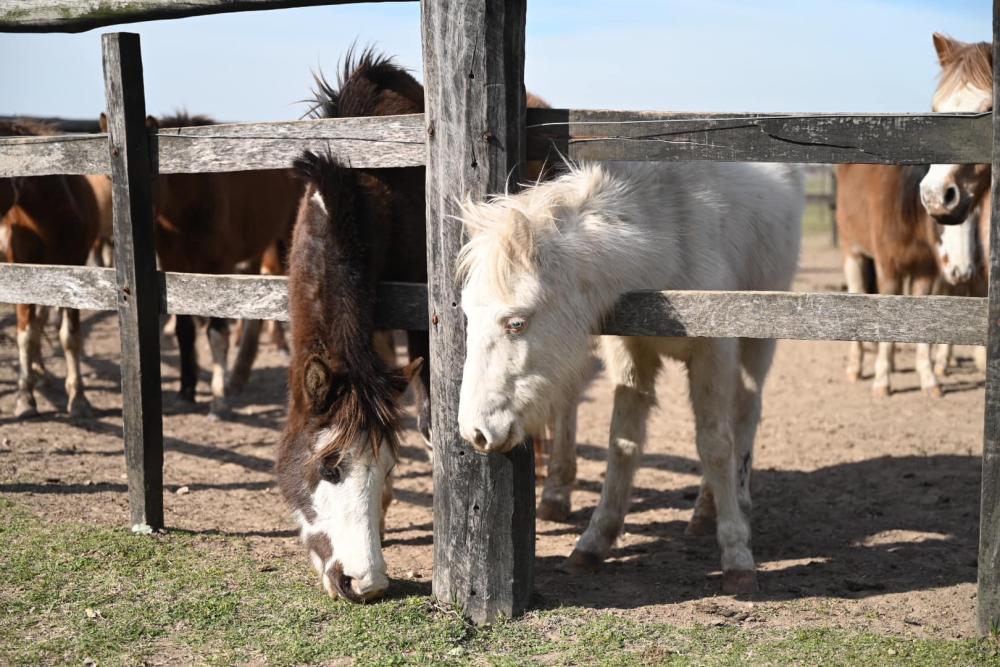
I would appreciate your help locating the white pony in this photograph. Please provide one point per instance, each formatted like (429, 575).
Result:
(543, 267)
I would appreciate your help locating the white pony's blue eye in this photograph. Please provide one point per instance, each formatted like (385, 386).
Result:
(515, 325)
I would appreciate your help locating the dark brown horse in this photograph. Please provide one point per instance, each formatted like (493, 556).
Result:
(48, 220)
(209, 223)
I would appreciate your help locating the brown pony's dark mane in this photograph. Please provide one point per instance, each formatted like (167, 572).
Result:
(370, 84)
(184, 119)
(966, 64)
(22, 127)
(335, 377)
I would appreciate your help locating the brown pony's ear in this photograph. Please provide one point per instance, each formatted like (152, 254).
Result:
(152, 123)
(405, 375)
(103, 122)
(945, 47)
(317, 382)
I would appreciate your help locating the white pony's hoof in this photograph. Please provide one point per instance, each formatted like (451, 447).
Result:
(25, 408)
(739, 582)
(584, 562)
(220, 410)
(80, 408)
(553, 510)
(880, 391)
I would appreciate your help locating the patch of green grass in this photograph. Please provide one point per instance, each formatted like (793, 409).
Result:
(70, 592)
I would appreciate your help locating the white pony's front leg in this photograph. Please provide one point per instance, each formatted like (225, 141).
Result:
(854, 274)
(555, 504)
(29, 332)
(633, 364)
(923, 286)
(714, 375)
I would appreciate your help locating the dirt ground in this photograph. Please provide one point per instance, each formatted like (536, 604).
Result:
(866, 511)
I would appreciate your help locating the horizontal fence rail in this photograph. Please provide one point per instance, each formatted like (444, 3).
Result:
(399, 141)
(761, 137)
(791, 315)
(81, 15)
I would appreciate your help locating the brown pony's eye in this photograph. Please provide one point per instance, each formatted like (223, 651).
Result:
(331, 473)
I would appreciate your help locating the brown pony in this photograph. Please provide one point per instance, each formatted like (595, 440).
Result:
(208, 223)
(339, 446)
(879, 216)
(49, 220)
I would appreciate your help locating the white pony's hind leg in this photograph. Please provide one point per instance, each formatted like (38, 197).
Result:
(77, 404)
(714, 375)
(854, 274)
(923, 286)
(886, 350)
(555, 504)
(28, 338)
(633, 364)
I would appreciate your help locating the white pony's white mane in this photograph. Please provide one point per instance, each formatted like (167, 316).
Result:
(509, 233)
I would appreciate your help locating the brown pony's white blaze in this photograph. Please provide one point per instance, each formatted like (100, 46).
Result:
(339, 445)
(951, 192)
(880, 216)
(48, 220)
(543, 267)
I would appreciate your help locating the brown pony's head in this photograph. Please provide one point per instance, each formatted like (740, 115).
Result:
(952, 192)
(340, 441)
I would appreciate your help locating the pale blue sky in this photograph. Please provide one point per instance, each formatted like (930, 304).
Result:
(695, 55)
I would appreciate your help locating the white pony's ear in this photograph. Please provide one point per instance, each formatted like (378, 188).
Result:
(946, 47)
(520, 231)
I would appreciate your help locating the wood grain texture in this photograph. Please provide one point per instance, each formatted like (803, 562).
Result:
(132, 176)
(791, 315)
(367, 143)
(484, 506)
(759, 137)
(56, 154)
(988, 598)
(399, 141)
(81, 15)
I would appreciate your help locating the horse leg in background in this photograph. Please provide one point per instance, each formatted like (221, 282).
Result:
(561, 475)
(418, 345)
(184, 329)
(218, 342)
(716, 387)
(887, 284)
(77, 404)
(246, 354)
(29, 331)
(854, 274)
(633, 364)
(35, 348)
(923, 286)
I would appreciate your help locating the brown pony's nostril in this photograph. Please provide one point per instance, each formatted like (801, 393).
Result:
(480, 439)
(951, 196)
(342, 584)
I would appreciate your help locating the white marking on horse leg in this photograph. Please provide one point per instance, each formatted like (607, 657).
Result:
(218, 342)
(633, 365)
(942, 359)
(854, 274)
(925, 370)
(26, 405)
(714, 375)
(979, 357)
(756, 355)
(555, 505)
(77, 404)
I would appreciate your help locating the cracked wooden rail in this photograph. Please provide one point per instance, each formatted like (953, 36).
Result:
(794, 315)
(399, 141)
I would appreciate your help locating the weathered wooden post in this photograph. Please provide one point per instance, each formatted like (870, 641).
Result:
(132, 175)
(484, 506)
(988, 600)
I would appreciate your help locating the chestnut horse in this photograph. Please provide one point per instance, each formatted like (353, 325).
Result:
(48, 220)
(208, 223)
(879, 216)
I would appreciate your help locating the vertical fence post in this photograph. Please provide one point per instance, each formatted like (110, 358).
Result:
(132, 177)
(484, 506)
(988, 599)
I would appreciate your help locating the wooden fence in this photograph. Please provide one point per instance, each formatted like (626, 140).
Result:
(474, 133)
